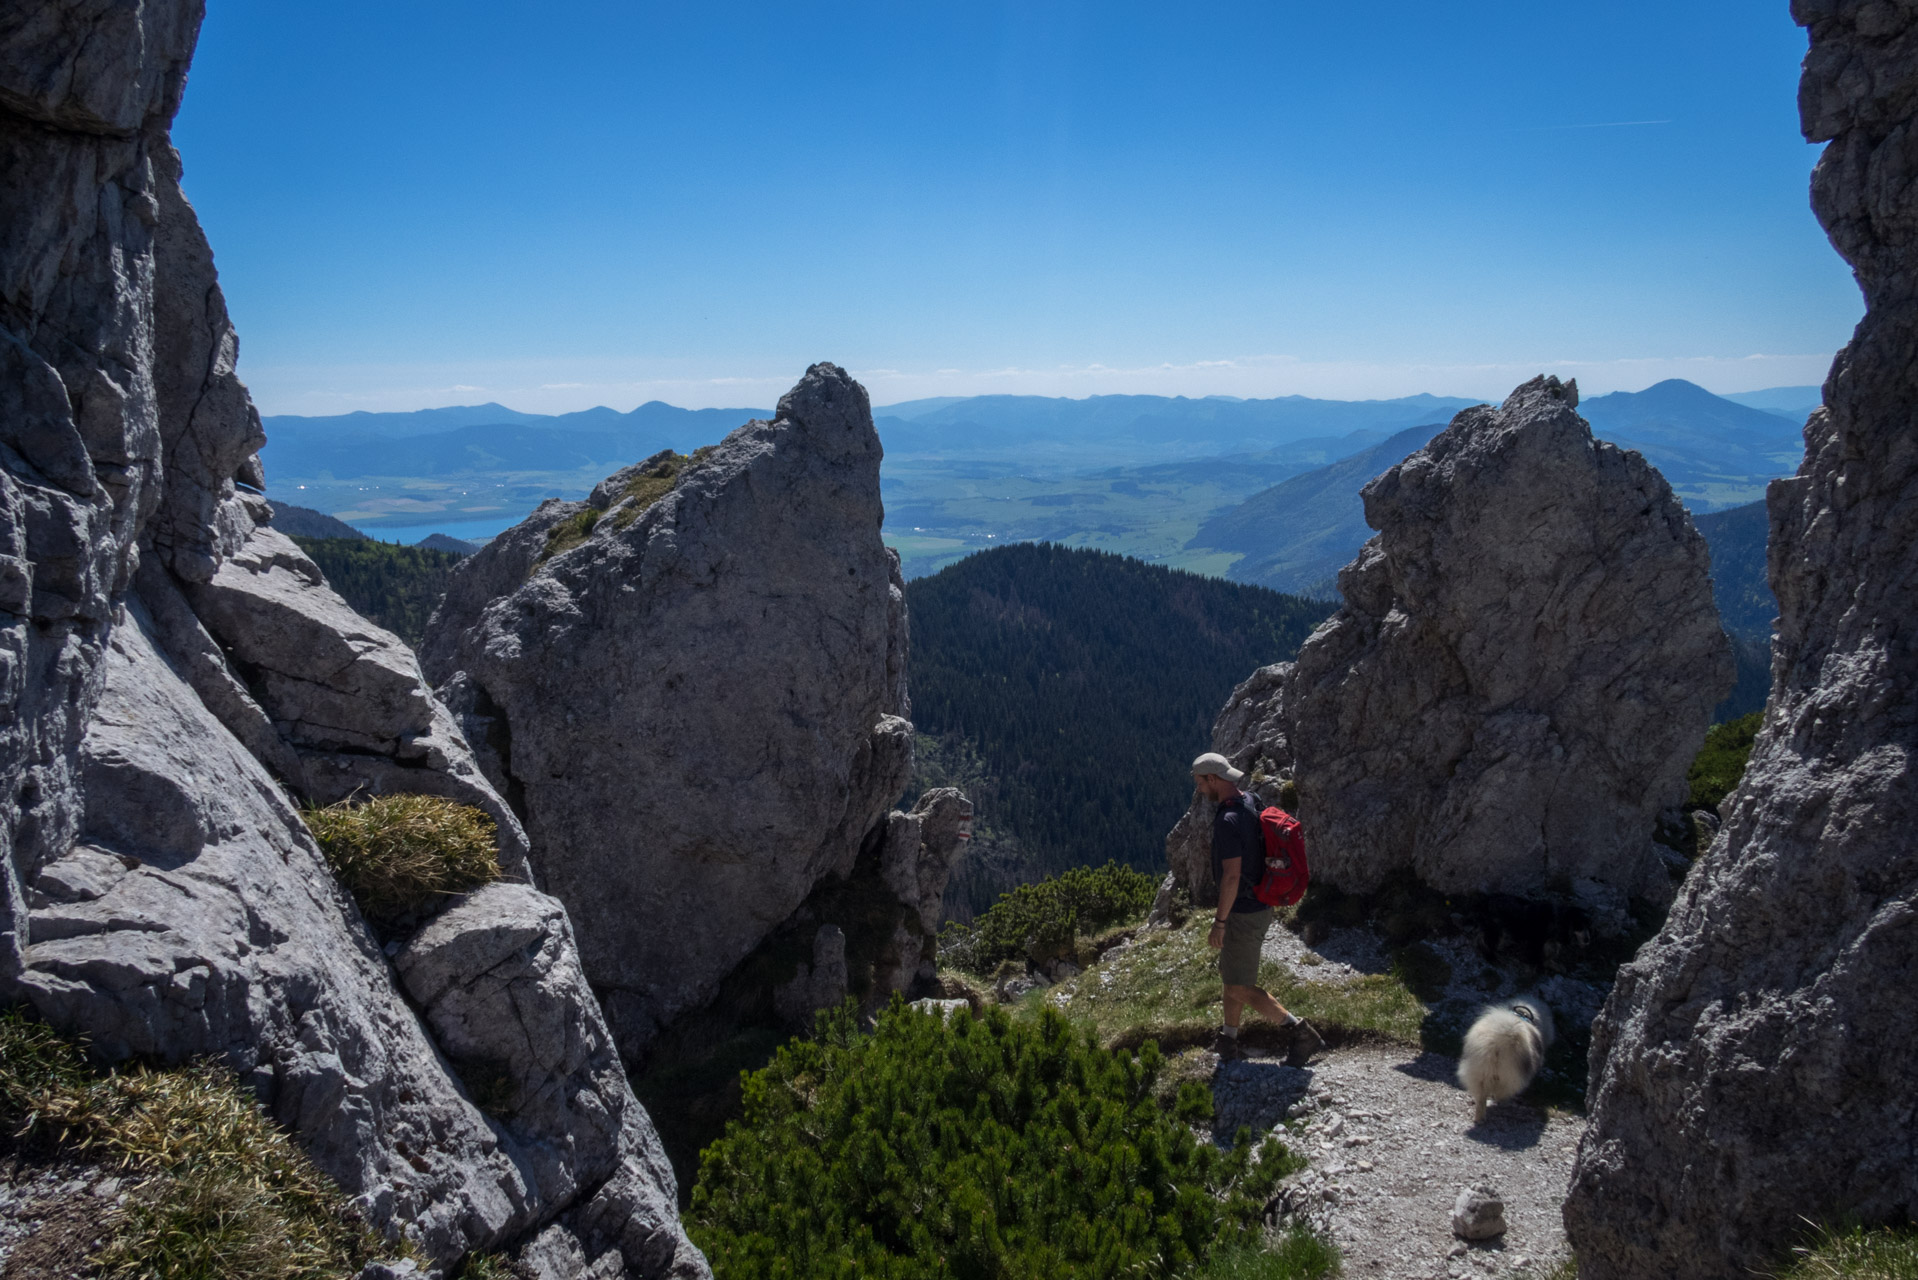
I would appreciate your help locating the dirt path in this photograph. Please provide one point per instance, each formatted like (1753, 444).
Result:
(1389, 1132)
(1390, 1139)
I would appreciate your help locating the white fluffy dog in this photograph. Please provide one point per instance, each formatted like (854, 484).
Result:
(1503, 1051)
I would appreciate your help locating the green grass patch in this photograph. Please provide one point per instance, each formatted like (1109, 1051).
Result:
(571, 532)
(934, 1147)
(1044, 921)
(228, 1194)
(1297, 1254)
(396, 853)
(1165, 987)
(1856, 1253)
(1720, 763)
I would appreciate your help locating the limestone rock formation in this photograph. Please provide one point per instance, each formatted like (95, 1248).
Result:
(1525, 664)
(726, 643)
(1753, 1067)
(177, 678)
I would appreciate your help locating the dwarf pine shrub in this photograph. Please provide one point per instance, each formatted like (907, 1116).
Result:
(1035, 920)
(395, 853)
(225, 1191)
(971, 1147)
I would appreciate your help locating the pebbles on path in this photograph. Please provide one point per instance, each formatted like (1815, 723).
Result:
(1390, 1141)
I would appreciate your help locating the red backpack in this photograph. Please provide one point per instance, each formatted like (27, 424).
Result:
(1285, 871)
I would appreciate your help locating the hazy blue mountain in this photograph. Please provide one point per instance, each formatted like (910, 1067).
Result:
(654, 415)
(468, 450)
(442, 542)
(1297, 535)
(1140, 429)
(1793, 402)
(1714, 452)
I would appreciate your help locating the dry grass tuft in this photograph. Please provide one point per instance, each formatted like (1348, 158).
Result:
(395, 853)
(228, 1192)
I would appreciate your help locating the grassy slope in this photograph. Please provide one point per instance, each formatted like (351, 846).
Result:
(1165, 987)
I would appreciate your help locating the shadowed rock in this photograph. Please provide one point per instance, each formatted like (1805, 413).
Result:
(692, 687)
(1753, 1067)
(1525, 664)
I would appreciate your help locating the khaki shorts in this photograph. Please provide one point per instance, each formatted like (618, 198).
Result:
(1244, 937)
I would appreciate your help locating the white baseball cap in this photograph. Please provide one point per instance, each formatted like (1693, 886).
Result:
(1218, 766)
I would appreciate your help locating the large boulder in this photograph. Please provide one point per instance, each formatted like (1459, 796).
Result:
(1524, 666)
(692, 688)
(1753, 1067)
(178, 679)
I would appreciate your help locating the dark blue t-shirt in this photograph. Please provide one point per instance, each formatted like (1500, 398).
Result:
(1236, 834)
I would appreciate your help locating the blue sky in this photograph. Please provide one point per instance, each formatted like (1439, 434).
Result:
(564, 204)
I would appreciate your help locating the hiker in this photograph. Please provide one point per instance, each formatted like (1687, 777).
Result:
(1240, 921)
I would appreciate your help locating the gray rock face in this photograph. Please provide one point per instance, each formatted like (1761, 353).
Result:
(86, 94)
(1753, 1065)
(498, 978)
(1524, 667)
(730, 656)
(176, 676)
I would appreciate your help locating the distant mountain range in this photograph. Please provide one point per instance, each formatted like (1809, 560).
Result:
(1793, 402)
(1133, 430)
(1160, 478)
(1296, 535)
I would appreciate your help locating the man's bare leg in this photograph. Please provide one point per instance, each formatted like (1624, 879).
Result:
(1236, 998)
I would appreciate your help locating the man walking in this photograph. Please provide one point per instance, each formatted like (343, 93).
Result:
(1240, 920)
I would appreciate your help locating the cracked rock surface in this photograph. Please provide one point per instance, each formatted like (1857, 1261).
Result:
(1754, 1064)
(729, 655)
(1524, 666)
(177, 678)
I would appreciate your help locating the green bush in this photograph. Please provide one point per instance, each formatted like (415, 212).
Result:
(1857, 1253)
(226, 1191)
(395, 853)
(963, 1147)
(1720, 763)
(1039, 921)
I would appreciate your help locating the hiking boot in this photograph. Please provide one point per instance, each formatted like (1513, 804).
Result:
(1305, 1043)
(1228, 1048)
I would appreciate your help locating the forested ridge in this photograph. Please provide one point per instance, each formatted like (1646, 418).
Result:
(397, 587)
(1076, 686)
